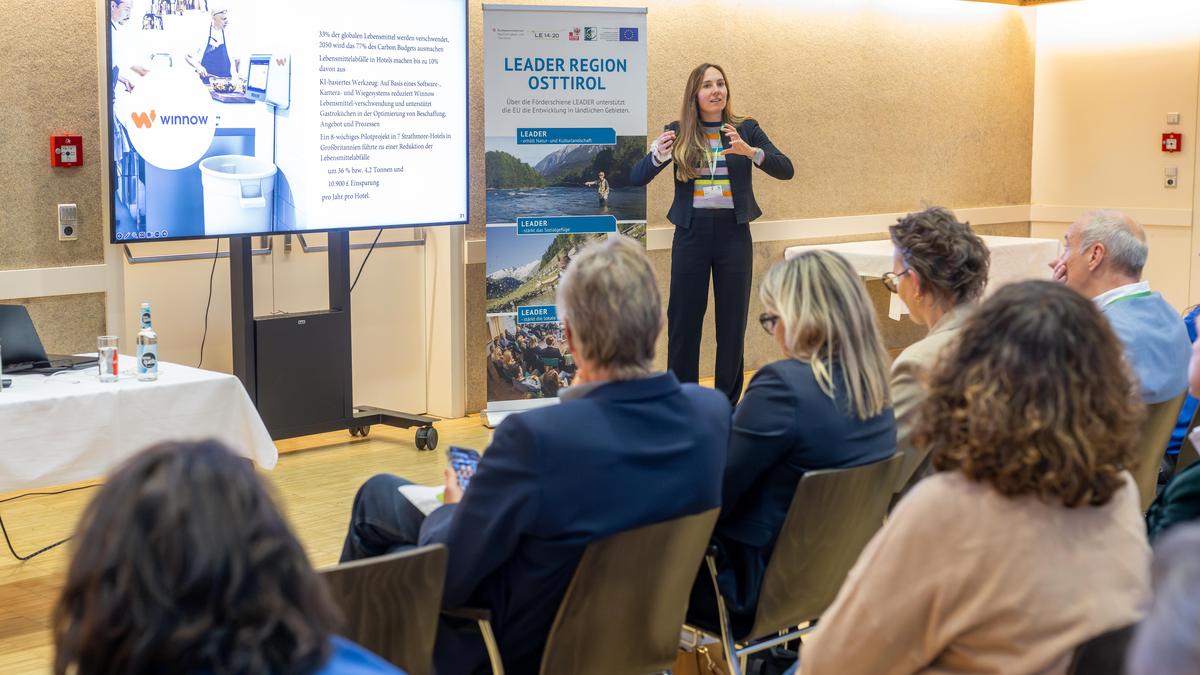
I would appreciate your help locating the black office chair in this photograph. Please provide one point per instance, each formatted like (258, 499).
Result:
(1103, 654)
(833, 515)
(391, 604)
(625, 604)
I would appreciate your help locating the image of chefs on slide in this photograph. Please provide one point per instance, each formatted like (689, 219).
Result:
(214, 58)
(125, 69)
(713, 206)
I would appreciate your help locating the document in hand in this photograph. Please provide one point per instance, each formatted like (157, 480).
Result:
(425, 497)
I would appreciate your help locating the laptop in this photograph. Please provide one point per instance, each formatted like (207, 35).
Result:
(21, 349)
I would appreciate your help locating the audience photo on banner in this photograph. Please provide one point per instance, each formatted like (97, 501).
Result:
(526, 361)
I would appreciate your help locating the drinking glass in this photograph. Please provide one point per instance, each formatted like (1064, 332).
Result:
(106, 350)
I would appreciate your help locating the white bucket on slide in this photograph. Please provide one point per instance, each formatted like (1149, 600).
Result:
(239, 193)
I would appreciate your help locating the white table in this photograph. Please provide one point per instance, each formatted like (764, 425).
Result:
(69, 426)
(1013, 259)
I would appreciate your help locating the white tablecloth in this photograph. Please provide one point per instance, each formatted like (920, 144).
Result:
(69, 426)
(1013, 259)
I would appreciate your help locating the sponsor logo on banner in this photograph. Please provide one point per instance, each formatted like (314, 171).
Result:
(589, 34)
(629, 35)
(573, 35)
(508, 33)
(547, 35)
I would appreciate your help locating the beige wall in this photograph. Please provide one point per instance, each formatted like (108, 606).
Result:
(1107, 74)
(48, 90)
(881, 105)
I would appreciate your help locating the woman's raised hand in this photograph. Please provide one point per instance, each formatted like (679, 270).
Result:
(736, 145)
(661, 147)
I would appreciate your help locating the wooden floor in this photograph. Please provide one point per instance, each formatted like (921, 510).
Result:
(315, 482)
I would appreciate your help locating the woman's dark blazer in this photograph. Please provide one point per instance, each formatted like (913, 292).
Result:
(784, 426)
(775, 164)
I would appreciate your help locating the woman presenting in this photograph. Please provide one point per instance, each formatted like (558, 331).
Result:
(713, 150)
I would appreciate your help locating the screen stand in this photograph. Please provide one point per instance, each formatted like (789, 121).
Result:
(298, 368)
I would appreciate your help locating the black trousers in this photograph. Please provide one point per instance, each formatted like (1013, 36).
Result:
(715, 245)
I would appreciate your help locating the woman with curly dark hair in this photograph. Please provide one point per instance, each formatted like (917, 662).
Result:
(183, 564)
(1028, 541)
(939, 269)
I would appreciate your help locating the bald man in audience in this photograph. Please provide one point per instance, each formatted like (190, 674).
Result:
(1102, 258)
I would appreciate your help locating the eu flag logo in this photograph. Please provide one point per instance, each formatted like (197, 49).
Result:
(629, 35)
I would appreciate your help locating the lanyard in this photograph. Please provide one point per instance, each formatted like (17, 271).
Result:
(712, 164)
(1130, 296)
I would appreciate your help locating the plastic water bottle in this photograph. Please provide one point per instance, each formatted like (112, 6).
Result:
(147, 348)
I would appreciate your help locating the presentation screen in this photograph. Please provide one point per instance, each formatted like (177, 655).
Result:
(255, 117)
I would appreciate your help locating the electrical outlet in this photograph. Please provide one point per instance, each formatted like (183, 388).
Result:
(68, 222)
(1172, 118)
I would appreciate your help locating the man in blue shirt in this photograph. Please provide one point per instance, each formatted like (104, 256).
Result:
(1102, 258)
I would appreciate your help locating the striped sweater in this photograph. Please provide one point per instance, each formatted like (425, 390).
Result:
(710, 174)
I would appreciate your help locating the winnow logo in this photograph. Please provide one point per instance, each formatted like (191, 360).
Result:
(144, 121)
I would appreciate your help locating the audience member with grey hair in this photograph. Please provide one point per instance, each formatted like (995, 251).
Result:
(1166, 641)
(625, 448)
(1102, 257)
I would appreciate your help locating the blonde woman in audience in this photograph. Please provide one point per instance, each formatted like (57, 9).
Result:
(1028, 541)
(939, 270)
(823, 405)
(183, 564)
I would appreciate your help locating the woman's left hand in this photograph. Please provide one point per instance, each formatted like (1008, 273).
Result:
(736, 145)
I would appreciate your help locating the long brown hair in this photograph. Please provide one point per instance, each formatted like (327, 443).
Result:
(1034, 399)
(183, 564)
(690, 145)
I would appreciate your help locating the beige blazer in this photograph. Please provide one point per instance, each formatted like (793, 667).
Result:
(909, 373)
(963, 580)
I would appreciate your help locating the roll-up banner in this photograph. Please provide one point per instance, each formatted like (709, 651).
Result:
(564, 124)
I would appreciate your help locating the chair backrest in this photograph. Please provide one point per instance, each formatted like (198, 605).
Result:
(551, 362)
(625, 605)
(1156, 431)
(1103, 654)
(833, 515)
(391, 604)
(1187, 451)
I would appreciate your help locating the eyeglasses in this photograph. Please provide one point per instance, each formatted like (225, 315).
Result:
(892, 279)
(768, 322)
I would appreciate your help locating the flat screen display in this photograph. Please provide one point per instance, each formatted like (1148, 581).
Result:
(256, 81)
(255, 117)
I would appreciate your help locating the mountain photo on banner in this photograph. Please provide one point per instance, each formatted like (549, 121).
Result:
(525, 269)
(562, 180)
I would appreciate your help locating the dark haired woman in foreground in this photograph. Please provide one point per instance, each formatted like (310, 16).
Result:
(183, 564)
(1029, 540)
